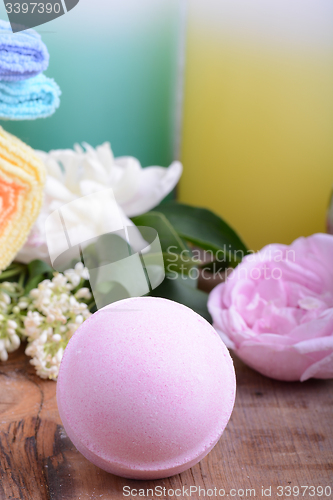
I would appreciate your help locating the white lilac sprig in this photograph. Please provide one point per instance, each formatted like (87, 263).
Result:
(48, 317)
(10, 321)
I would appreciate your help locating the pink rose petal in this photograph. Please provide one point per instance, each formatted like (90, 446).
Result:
(276, 309)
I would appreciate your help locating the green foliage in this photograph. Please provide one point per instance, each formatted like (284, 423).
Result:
(204, 229)
(176, 253)
(180, 290)
(180, 228)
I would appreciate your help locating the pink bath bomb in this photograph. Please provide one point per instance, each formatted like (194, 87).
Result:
(146, 388)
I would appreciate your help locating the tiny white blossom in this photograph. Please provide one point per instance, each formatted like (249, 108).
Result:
(5, 298)
(81, 270)
(12, 324)
(48, 318)
(3, 355)
(13, 344)
(75, 275)
(60, 280)
(83, 293)
(33, 320)
(42, 338)
(79, 319)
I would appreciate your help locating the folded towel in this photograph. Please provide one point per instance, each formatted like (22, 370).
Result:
(36, 97)
(22, 55)
(22, 176)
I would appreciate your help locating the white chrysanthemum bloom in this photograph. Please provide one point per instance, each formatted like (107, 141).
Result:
(84, 171)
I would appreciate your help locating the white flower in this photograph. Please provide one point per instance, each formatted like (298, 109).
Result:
(79, 319)
(33, 319)
(53, 314)
(82, 271)
(85, 171)
(50, 318)
(75, 275)
(14, 343)
(4, 297)
(12, 324)
(3, 355)
(83, 293)
(60, 280)
(60, 318)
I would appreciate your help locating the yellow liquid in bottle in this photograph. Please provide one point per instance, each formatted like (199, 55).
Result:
(258, 120)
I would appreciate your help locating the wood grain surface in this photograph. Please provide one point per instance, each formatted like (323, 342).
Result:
(280, 434)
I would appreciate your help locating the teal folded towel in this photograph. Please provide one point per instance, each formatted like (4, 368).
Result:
(37, 97)
(22, 55)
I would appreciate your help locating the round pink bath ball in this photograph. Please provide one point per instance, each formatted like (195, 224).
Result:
(146, 388)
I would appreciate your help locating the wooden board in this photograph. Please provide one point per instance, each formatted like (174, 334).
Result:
(280, 434)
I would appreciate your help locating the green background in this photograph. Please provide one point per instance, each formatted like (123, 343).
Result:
(117, 69)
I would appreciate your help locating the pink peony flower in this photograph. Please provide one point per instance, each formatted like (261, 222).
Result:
(276, 309)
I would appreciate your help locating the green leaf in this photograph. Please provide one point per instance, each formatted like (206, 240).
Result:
(178, 263)
(168, 236)
(203, 228)
(216, 267)
(33, 283)
(38, 267)
(179, 291)
(17, 293)
(11, 271)
(38, 271)
(176, 254)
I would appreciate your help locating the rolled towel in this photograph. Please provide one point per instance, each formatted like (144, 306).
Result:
(22, 55)
(37, 97)
(22, 177)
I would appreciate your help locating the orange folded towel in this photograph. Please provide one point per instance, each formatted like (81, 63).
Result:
(22, 177)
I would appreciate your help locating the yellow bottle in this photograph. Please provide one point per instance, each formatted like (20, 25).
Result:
(258, 115)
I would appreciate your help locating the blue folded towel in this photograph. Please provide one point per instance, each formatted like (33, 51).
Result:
(22, 55)
(36, 97)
